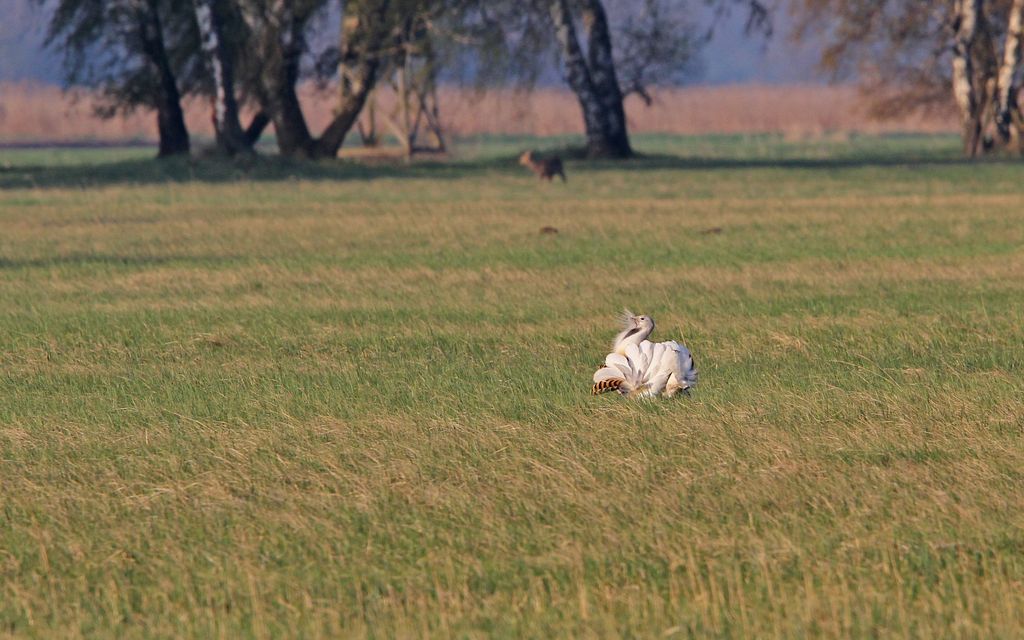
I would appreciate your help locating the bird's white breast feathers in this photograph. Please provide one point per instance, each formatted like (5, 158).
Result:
(648, 367)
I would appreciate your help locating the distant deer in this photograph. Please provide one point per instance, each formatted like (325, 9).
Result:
(545, 168)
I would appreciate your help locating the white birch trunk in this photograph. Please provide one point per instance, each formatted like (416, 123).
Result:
(230, 138)
(1008, 81)
(966, 21)
(604, 125)
(576, 71)
(604, 78)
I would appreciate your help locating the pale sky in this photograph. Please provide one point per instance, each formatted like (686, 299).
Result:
(729, 58)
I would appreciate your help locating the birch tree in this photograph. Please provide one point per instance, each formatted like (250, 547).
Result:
(591, 76)
(960, 55)
(656, 41)
(1008, 116)
(607, 51)
(966, 22)
(230, 137)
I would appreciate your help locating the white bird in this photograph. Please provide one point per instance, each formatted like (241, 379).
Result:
(637, 367)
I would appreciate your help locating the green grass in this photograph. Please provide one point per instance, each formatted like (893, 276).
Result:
(281, 399)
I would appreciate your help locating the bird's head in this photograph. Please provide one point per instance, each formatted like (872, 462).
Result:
(644, 323)
(635, 330)
(638, 324)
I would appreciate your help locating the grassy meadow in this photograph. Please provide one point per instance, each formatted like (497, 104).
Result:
(271, 399)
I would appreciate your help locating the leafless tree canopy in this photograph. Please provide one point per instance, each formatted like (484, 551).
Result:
(254, 54)
(961, 55)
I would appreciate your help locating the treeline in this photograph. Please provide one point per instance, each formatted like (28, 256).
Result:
(914, 55)
(249, 56)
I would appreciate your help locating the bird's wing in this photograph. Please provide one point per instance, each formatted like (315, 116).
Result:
(618, 361)
(656, 383)
(657, 352)
(607, 373)
(639, 356)
(682, 362)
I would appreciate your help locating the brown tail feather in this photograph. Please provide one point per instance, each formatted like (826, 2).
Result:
(608, 385)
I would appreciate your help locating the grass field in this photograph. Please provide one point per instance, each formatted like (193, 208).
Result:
(335, 400)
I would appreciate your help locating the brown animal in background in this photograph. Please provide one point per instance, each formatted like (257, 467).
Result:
(545, 168)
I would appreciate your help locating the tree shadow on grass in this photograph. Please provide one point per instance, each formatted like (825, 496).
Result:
(911, 158)
(272, 168)
(658, 162)
(774, 154)
(144, 171)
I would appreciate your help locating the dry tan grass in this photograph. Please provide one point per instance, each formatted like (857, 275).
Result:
(44, 113)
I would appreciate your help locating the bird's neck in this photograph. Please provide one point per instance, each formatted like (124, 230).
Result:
(629, 337)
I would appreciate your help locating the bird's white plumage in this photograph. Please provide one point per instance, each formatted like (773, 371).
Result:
(640, 355)
(647, 369)
(617, 360)
(607, 373)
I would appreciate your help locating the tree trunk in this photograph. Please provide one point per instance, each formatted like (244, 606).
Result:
(368, 126)
(603, 115)
(281, 73)
(345, 118)
(293, 137)
(966, 22)
(347, 26)
(230, 137)
(255, 129)
(273, 39)
(292, 131)
(408, 137)
(362, 38)
(170, 121)
(1008, 81)
(606, 83)
(358, 81)
(577, 74)
(169, 117)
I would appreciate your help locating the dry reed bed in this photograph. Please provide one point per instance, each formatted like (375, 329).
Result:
(35, 113)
